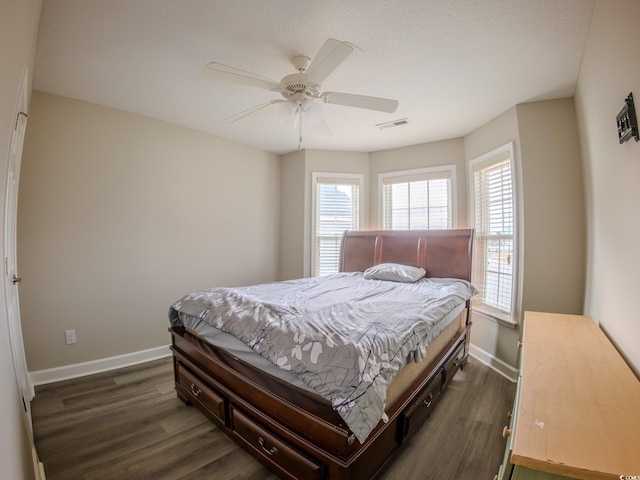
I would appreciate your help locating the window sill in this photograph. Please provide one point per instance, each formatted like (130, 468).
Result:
(498, 317)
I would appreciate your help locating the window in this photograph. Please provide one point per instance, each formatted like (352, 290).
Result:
(418, 199)
(336, 209)
(493, 201)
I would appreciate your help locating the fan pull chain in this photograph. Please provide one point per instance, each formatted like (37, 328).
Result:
(299, 126)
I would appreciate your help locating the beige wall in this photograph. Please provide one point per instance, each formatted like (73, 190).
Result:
(547, 149)
(610, 70)
(292, 215)
(119, 215)
(102, 193)
(296, 195)
(497, 340)
(296, 189)
(553, 207)
(550, 183)
(333, 162)
(18, 31)
(447, 152)
(551, 214)
(95, 208)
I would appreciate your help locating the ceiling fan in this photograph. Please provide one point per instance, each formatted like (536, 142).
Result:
(302, 91)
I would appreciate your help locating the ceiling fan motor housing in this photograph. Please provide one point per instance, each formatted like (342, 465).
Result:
(296, 87)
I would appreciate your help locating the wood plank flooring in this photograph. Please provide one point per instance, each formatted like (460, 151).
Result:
(128, 424)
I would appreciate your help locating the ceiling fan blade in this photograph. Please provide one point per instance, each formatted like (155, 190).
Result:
(361, 101)
(253, 113)
(235, 75)
(330, 56)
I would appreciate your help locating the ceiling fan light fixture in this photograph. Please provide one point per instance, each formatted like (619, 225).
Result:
(287, 113)
(313, 112)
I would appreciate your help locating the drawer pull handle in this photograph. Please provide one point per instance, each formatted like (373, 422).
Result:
(427, 403)
(272, 451)
(196, 391)
(506, 432)
(456, 362)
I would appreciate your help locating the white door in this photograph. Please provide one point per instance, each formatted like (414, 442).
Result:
(12, 280)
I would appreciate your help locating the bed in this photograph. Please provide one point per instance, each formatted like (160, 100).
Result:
(294, 420)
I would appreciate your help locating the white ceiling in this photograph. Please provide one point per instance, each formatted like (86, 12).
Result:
(452, 65)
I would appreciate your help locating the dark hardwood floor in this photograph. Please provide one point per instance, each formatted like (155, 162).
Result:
(128, 424)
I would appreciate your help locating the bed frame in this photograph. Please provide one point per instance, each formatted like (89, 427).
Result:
(301, 437)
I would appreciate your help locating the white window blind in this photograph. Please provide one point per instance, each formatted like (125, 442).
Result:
(337, 208)
(417, 201)
(494, 262)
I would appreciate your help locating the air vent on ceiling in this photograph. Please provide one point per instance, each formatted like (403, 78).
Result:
(393, 123)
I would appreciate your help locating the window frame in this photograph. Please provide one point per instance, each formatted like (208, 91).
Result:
(326, 177)
(450, 170)
(493, 157)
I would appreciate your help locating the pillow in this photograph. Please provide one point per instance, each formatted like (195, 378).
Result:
(394, 272)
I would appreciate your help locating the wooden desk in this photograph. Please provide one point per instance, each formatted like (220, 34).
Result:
(577, 412)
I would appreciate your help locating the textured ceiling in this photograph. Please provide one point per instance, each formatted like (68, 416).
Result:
(452, 65)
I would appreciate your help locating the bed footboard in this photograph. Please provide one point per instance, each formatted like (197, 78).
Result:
(295, 435)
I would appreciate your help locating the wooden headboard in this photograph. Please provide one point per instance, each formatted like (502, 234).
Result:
(442, 253)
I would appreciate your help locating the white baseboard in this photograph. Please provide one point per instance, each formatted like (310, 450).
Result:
(503, 368)
(57, 374)
(38, 467)
(66, 372)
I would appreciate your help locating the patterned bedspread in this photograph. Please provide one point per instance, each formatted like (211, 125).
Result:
(343, 335)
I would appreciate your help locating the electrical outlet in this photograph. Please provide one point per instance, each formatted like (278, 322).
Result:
(70, 336)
